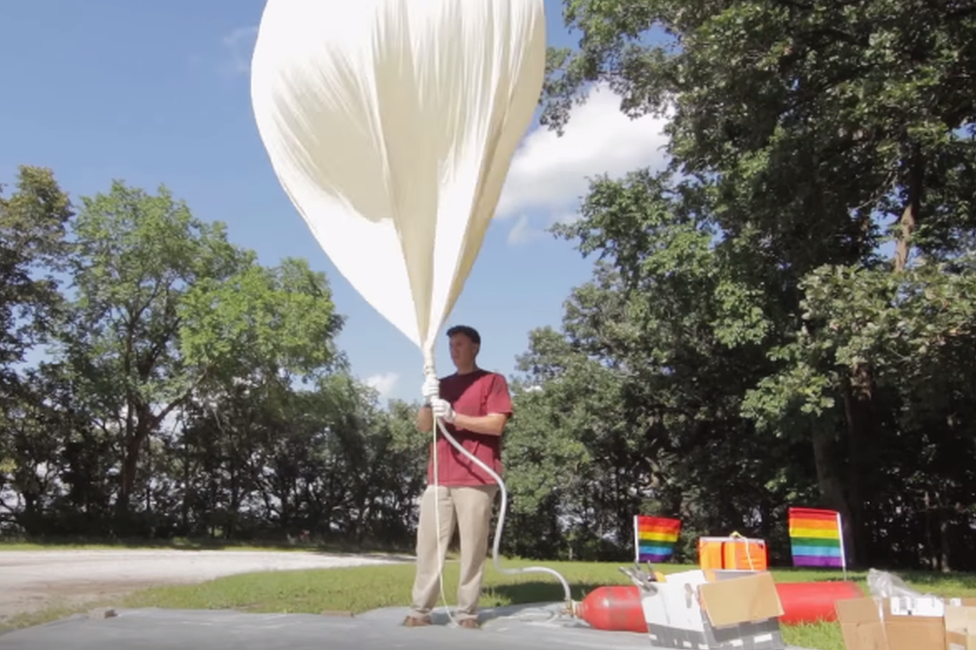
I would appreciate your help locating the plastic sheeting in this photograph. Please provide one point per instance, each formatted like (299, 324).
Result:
(391, 125)
(379, 629)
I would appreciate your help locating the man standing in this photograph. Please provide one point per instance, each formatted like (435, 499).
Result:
(474, 405)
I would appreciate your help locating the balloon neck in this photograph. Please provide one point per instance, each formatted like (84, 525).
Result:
(430, 368)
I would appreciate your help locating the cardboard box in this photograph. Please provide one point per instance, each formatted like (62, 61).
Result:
(900, 623)
(960, 624)
(701, 611)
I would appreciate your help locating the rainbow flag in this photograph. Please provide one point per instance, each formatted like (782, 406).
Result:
(655, 537)
(815, 538)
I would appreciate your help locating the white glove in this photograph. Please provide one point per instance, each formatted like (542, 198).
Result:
(442, 409)
(431, 389)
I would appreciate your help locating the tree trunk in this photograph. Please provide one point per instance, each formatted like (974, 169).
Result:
(831, 484)
(185, 501)
(909, 216)
(130, 464)
(140, 422)
(931, 554)
(765, 518)
(230, 526)
(944, 548)
(939, 518)
(903, 246)
(859, 414)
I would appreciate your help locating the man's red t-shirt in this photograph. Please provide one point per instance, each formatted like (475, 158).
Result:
(474, 394)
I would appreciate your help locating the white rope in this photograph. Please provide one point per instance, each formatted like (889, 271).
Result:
(441, 553)
(736, 535)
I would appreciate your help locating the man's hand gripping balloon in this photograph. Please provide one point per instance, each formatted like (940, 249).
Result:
(431, 389)
(440, 407)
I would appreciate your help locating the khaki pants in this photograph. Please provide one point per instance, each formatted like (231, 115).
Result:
(470, 508)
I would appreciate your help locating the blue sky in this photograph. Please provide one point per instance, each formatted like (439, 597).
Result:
(158, 93)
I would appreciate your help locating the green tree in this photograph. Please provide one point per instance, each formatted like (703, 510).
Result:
(658, 351)
(33, 221)
(812, 130)
(191, 391)
(167, 308)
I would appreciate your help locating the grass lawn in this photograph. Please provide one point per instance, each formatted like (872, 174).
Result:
(358, 589)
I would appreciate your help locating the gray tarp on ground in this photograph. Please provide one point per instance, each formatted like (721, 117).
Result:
(509, 628)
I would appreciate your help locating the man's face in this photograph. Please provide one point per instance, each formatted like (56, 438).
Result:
(463, 350)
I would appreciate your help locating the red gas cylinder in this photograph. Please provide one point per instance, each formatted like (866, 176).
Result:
(615, 608)
(618, 608)
(809, 602)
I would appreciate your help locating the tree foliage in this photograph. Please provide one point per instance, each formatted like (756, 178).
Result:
(745, 292)
(184, 389)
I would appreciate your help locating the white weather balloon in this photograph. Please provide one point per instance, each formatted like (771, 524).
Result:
(391, 125)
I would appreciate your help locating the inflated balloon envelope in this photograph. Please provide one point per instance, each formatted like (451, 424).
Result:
(391, 125)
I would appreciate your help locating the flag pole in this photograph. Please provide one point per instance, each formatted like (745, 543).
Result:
(843, 552)
(637, 539)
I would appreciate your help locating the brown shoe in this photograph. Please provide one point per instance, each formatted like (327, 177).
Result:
(416, 621)
(469, 623)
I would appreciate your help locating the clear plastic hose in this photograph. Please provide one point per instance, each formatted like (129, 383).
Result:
(501, 517)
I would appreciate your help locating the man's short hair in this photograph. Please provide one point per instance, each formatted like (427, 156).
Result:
(469, 332)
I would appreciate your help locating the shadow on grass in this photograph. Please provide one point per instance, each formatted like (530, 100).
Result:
(402, 551)
(800, 574)
(523, 593)
(928, 579)
(923, 580)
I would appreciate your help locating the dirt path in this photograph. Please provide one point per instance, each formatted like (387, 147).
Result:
(34, 580)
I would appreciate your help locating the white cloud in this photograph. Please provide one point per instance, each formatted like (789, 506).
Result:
(550, 174)
(383, 383)
(523, 232)
(239, 45)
